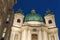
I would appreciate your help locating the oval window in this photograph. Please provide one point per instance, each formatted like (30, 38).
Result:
(50, 21)
(18, 20)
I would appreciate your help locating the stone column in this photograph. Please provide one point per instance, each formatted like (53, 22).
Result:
(39, 35)
(56, 36)
(15, 34)
(29, 35)
(45, 36)
(24, 35)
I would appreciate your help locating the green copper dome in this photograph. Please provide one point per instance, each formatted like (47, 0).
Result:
(33, 16)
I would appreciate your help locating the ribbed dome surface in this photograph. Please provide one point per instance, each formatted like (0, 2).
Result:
(33, 16)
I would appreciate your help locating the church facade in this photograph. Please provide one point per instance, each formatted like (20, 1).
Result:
(34, 27)
(30, 27)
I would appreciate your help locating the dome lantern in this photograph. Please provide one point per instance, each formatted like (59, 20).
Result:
(33, 11)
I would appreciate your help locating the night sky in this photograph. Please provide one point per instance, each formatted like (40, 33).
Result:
(41, 7)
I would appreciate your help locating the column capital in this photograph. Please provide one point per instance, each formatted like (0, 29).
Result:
(44, 29)
(54, 30)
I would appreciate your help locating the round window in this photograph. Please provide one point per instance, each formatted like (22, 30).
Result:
(34, 30)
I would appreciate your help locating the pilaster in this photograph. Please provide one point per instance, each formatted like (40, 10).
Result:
(49, 37)
(29, 35)
(56, 36)
(24, 35)
(15, 33)
(40, 35)
(44, 33)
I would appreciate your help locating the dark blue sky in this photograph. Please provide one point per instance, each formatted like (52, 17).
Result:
(40, 6)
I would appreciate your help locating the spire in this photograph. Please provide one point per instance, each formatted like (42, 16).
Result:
(33, 11)
(48, 12)
(19, 10)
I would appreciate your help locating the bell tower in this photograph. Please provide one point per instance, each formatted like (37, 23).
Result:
(17, 24)
(50, 19)
(18, 18)
(52, 29)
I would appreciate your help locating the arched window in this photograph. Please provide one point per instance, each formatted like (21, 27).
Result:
(18, 20)
(34, 37)
(50, 21)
